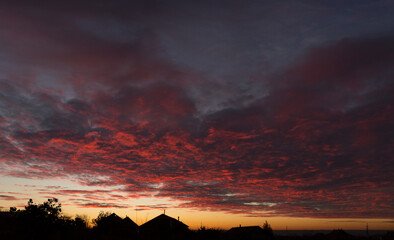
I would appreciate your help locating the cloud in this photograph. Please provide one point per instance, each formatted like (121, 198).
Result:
(101, 205)
(8, 197)
(312, 138)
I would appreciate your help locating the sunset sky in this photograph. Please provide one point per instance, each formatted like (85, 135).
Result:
(221, 112)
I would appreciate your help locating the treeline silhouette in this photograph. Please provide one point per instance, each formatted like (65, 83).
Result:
(45, 221)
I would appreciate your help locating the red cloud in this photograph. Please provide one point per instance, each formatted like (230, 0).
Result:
(318, 144)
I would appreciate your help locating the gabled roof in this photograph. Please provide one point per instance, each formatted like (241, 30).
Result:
(164, 223)
(115, 217)
(128, 222)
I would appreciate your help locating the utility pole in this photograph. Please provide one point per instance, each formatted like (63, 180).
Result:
(366, 230)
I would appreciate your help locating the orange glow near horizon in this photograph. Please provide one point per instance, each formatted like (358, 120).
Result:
(222, 220)
(194, 218)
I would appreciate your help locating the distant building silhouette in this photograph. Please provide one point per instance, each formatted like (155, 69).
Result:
(249, 233)
(339, 234)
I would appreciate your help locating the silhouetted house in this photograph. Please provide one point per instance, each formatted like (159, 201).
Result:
(249, 233)
(111, 221)
(164, 226)
(129, 226)
(114, 218)
(116, 226)
(127, 222)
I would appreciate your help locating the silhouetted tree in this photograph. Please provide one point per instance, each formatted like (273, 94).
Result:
(81, 221)
(267, 227)
(36, 221)
(101, 218)
(51, 208)
(209, 233)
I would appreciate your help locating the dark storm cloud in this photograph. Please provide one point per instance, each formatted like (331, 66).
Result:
(245, 119)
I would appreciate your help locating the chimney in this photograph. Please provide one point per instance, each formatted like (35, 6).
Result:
(178, 218)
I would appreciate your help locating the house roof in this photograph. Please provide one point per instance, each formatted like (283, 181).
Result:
(113, 216)
(128, 222)
(164, 223)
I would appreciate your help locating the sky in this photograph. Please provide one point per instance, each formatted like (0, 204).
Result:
(220, 112)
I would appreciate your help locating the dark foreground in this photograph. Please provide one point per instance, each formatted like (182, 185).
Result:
(44, 221)
(71, 230)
